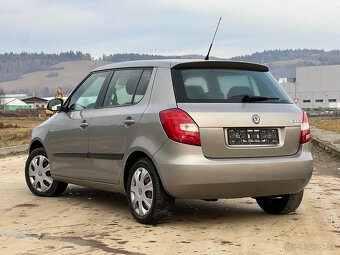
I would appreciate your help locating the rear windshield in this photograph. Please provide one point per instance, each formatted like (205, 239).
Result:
(226, 86)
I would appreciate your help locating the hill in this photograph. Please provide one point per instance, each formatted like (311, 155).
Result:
(283, 63)
(14, 65)
(64, 74)
(118, 57)
(44, 83)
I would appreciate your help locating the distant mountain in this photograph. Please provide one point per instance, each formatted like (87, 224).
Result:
(65, 75)
(14, 65)
(283, 63)
(40, 74)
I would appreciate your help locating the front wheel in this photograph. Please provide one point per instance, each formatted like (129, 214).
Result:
(148, 202)
(282, 204)
(38, 175)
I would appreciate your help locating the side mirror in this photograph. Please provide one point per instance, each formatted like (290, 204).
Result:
(55, 105)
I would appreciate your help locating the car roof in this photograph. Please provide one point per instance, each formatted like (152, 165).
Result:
(186, 63)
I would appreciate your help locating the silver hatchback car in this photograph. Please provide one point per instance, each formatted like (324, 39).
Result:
(170, 129)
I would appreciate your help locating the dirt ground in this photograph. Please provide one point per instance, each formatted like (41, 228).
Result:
(86, 221)
(17, 130)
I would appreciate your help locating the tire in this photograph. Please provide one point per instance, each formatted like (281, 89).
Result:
(280, 204)
(148, 202)
(37, 168)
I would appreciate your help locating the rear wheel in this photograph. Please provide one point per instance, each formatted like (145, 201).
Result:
(148, 202)
(38, 175)
(282, 204)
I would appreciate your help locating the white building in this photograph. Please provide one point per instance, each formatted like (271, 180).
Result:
(315, 86)
(13, 104)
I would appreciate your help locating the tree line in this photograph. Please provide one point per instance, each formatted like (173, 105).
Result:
(283, 63)
(119, 57)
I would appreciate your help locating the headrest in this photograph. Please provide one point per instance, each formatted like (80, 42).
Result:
(240, 90)
(195, 92)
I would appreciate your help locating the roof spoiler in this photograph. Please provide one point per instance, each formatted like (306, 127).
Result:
(222, 64)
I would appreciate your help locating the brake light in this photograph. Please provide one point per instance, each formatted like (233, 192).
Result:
(180, 127)
(305, 135)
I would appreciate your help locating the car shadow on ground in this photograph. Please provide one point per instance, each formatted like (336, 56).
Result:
(235, 210)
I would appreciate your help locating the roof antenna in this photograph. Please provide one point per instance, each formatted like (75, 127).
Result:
(218, 24)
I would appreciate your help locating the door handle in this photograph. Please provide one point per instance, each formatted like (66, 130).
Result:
(84, 124)
(129, 121)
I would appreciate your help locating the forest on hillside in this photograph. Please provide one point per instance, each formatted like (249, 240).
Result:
(14, 65)
(283, 63)
(118, 57)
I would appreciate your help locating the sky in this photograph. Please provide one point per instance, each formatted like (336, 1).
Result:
(175, 27)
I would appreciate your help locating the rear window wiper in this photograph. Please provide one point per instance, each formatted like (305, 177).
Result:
(248, 98)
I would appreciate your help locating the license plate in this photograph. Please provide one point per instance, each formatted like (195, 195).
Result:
(248, 136)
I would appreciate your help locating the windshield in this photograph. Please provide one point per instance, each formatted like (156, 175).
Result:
(226, 86)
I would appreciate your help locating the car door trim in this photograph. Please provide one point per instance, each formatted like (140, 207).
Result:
(112, 156)
(70, 155)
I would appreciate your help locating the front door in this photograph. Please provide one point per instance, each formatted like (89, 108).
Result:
(113, 126)
(68, 141)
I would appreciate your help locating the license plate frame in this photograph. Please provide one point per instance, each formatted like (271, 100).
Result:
(253, 136)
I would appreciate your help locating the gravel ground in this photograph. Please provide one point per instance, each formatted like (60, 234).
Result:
(325, 164)
(86, 221)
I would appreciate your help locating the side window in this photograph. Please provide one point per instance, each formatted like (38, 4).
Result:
(86, 95)
(127, 87)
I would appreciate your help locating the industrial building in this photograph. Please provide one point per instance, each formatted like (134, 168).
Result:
(315, 87)
(36, 102)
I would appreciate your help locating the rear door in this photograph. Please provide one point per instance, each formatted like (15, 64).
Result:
(114, 124)
(240, 113)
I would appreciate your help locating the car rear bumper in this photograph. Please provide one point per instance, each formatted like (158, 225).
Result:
(186, 173)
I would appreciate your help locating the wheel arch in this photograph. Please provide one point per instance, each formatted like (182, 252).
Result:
(132, 158)
(35, 144)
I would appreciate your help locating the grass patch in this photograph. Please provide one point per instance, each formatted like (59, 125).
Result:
(327, 124)
(17, 130)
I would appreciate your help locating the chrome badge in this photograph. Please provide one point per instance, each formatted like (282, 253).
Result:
(256, 119)
(296, 122)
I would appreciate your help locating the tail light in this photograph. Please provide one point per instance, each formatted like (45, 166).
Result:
(305, 130)
(180, 127)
